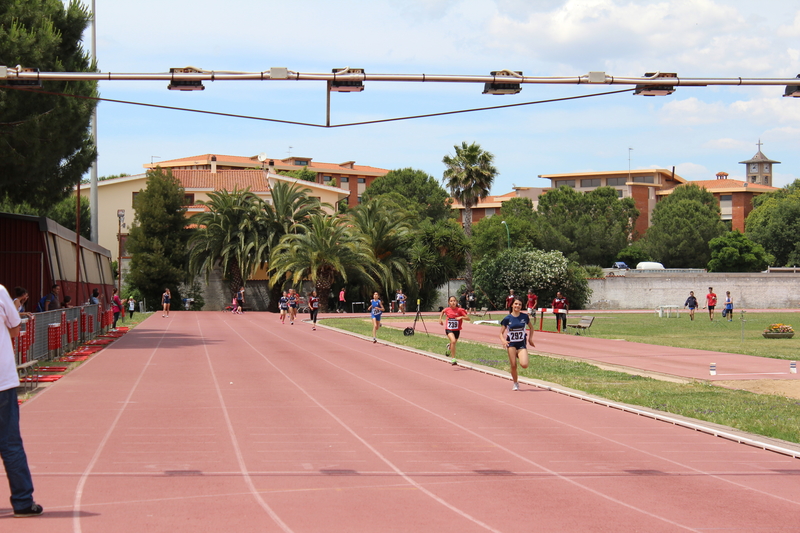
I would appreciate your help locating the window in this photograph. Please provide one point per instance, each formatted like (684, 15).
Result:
(135, 194)
(566, 183)
(490, 212)
(189, 198)
(358, 199)
(344, 179)
(619, 193)
(362, 180)
(644, 179)
(616, 181)
(752, 180)
(301, 162)
(326, 179)
(766, 168)
(726, 206)
(594, 182)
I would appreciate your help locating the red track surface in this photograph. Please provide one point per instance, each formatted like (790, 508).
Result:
(210, 421)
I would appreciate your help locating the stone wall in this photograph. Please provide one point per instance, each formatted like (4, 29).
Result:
(649, 290)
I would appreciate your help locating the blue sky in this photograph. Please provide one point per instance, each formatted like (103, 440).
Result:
(700, 131)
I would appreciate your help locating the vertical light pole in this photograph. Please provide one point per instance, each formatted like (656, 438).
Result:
(508, 233)
(121, 217)
(93, 201)
(629, 163)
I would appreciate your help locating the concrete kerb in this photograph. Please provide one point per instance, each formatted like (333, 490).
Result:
(757, 441)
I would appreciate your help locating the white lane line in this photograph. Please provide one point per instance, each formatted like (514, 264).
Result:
(363, 441)
(235, 442)
(76, 504)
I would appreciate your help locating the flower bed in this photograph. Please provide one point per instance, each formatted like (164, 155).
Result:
(778, 331)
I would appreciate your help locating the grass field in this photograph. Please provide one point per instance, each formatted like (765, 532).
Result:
(741, 335)
(768, 415)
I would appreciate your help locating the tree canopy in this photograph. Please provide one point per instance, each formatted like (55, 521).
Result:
(733, 252)
(45, 142)
(590, 228)
(413, 190)
(517, 226)
(544, 272)
(158, 237)
(682, 226)
(775, 224)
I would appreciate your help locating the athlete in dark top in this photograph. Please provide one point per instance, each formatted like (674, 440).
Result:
(691, 303)
(514, 337)
(313, 305)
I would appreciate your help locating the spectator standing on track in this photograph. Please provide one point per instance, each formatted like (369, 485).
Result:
(313, 306)
(532, 301)
(471, 302)
(283, 305)
(375, 311)
(691, 303)
(452, 330)
(166, 298)
(728, 311)
(11, 449)
(514, 337)
(711, 302)
(560, 302)
(116, 307)
(342, 301)
(131, 306)
(510, 300)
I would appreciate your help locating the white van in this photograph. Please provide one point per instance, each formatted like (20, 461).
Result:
(649, 265)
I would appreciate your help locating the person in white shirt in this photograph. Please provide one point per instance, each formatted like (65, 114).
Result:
(11, 449)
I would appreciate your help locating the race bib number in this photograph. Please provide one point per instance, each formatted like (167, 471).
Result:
(315, 305)
(452, 323)
(516, 335)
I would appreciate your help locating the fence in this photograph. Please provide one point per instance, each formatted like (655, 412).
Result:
(49, 334)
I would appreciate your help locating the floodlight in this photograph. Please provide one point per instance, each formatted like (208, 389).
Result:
(185, 85)
(656, 90)
(793, 90)
(346, 86)
(29, 83)
(503, 87)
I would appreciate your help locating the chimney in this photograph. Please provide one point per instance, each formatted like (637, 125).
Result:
(213, 164)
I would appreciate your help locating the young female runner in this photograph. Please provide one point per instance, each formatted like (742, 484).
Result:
(375, 310)
(513, 337)
(313, 305)
(455, 315)
(283, 305)
(292, 306)
(165, 301)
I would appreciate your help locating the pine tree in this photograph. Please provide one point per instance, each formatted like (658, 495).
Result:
(158, 239)
(45, 142)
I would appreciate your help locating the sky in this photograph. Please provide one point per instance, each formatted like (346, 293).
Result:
(699, 131)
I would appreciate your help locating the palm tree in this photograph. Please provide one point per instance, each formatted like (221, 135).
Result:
(228, 234)
(291, 208)
(469, 176)
(319, 251)
(385, 231)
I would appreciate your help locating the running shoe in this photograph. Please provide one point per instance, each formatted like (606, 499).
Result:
(454, 362)
(34, 510)
(314, 328)
(447, 349)
(374, 340)
(516, 386)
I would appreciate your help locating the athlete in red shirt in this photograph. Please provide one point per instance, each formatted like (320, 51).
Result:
(455, 315)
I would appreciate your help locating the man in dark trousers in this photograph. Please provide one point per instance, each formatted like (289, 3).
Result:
(560, 302)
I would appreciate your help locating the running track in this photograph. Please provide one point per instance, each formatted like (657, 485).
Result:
(215, 422)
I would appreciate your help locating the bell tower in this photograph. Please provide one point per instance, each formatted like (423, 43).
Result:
(758, 169)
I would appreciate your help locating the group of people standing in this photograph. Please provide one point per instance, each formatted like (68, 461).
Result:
(711, 304)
